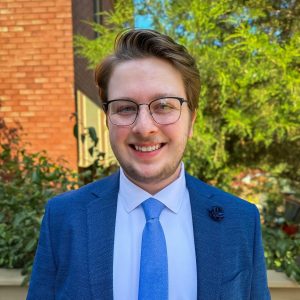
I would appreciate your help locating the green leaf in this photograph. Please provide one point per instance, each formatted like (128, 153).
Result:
(30, 246)
(93, 134)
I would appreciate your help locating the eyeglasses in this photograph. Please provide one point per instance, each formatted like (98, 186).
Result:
(164, 111)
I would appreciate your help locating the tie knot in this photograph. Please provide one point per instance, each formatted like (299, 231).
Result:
(152, 208)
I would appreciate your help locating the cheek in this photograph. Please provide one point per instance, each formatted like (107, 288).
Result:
(117, 134)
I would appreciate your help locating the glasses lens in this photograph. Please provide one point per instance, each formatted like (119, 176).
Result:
(166, 110)
(122, 112)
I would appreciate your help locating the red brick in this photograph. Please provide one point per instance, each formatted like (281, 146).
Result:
(27, 103)
(34, 97)
(48, 50)
(64, 15)
(16, 28)
(25, 45)
(20, 108)
(5, 86)
(33, 63)
(10, 92)
(13, 4)
(40, 69)
(48, 3)
(55, 21)
(14, 114)
(47, 27)
(9, 120)
(35, 129)
(41, 92)
(5, 108)
(35, 108)
(35, 8)
(8, 46)
(20, 86)
(25, 69)
(23, 22)
(27, 113)
(58, 68)
(37, 79)
(63, 3)
(7, 11)
(13, 79)
(49, 86)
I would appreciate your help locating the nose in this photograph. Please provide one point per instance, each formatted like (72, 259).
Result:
(144, 123)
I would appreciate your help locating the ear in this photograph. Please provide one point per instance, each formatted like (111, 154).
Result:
(106, 121)
(193, 119)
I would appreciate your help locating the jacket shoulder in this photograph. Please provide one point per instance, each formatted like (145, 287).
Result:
(219, 197)
(86, 193)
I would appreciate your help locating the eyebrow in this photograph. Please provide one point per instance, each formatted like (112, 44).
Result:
(156, 96)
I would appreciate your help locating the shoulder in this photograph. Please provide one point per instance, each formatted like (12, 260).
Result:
(69, 209)
(85, 194)
(233, 206)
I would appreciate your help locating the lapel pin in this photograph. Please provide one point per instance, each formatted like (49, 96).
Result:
(216, 213)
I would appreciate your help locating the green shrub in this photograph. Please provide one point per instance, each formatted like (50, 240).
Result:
(27, 180)
(281, 236)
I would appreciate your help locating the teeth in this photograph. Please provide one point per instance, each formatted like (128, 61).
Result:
(147, 148)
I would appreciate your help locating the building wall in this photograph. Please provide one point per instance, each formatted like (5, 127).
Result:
(89, 113)
(37, 73)
(84, 10)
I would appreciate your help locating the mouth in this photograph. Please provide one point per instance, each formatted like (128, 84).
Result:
(149, 148)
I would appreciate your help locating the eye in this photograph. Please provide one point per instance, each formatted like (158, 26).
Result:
(163, 106)
(126, 109)
(123, 108)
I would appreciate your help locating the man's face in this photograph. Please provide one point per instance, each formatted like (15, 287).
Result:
(149, 153)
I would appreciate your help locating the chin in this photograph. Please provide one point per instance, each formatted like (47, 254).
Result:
(143, 176)
(148, 175)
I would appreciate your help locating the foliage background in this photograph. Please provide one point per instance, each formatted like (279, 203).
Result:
(248, 56)
(27, 181)
(249, 116)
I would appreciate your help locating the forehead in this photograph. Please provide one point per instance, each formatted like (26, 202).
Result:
(145, 79)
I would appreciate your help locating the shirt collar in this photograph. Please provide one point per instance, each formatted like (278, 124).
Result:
(171, 196)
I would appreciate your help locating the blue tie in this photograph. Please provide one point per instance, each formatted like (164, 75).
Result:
(154, 260)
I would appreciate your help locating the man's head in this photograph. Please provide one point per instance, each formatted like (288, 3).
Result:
(149, 89)
(142, 43)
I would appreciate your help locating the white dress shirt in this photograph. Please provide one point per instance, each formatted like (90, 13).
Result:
(176, 220)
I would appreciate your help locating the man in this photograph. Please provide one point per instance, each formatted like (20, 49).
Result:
(150, 231)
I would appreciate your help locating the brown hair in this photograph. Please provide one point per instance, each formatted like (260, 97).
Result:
(142, 43)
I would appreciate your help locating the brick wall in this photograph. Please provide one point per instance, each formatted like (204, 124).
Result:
(37, 73)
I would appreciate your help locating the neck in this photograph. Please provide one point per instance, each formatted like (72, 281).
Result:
(154, 185)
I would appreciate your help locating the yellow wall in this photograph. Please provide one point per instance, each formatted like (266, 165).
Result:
(90, 115)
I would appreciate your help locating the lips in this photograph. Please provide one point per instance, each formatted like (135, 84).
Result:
(149, 148)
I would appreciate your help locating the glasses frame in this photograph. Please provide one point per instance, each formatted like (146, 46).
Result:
(105, 106)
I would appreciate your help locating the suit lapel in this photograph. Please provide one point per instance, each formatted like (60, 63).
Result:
(208, 239)
(101, 217)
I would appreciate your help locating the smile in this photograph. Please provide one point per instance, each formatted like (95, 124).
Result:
(147, 148)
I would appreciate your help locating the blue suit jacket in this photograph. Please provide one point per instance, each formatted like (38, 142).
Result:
(74, 259)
